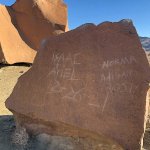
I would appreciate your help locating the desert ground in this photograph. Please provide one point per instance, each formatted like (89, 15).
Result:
(8, 79)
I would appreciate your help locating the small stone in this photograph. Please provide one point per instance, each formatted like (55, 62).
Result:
(21, 72)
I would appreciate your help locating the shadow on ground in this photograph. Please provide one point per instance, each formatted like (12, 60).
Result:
(18, 139)
(147, 139)
(17, 64)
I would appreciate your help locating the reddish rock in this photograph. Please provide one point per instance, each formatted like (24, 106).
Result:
(12, 48)
(25, 24)
(38, 19)
(94, 78)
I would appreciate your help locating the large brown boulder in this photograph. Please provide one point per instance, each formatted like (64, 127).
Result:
(25, 24)
(94, 78)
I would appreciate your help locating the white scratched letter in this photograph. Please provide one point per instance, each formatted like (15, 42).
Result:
(74, 58)
(105, 102)
(105, 64)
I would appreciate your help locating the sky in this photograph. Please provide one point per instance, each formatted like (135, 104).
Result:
(97, 11)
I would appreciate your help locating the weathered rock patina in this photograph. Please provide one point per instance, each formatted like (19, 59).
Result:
(94, 78)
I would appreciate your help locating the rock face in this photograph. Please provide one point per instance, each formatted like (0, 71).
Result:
(12, 47)
(25, 24)
(38, 19)
(94, 78)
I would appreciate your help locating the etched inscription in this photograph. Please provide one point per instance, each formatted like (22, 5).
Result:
(105, 102)
(64, 67)
(74, 95)
(111, 76)
(118, 76)
(56, 87)
(94, 105)
(123, 88)
(122, 61)
(119, 79)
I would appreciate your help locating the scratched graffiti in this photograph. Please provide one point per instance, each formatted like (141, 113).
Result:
(56, 87)
(116, 81)
(115, 76)
(108, 76)
(128, 88)
(68, 92)
(119, 62)
(74, 95)
(64, 66)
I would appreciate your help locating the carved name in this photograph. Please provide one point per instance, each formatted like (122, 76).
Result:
(122, 61)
